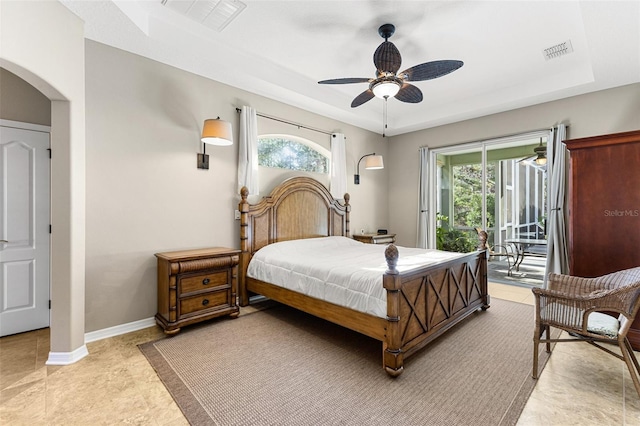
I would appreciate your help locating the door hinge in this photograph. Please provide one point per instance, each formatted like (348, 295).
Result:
(49, 228)
(49, 304)
(49, 149)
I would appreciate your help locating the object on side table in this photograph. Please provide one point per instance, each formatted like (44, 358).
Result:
(196, 285)
(375, 238)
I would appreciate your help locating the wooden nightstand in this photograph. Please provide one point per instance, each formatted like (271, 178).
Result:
(196, 285)
(376, 238)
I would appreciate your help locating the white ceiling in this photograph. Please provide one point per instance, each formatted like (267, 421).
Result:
(281, 49)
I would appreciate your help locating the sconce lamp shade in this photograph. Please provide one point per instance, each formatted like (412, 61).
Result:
(217, 132)
(214, 132)
(373, 162)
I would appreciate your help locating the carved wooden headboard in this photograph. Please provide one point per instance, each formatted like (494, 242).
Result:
(300, 207)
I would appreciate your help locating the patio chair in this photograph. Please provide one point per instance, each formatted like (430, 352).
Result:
(583, 306)
(497, 251)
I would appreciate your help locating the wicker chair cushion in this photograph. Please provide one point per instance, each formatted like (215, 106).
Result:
(598, 323)
(603, 324)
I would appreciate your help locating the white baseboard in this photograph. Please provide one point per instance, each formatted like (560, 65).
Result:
(117, 330)
(66, 358)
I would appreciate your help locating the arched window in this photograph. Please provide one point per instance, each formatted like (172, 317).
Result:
(292, 153)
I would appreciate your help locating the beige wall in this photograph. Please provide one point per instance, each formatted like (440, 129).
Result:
(42, 42)
(20, 101)
(144, 192)
(609, 111)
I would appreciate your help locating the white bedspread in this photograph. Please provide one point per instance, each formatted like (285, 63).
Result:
(339, 270)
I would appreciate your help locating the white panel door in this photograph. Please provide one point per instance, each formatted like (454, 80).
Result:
(24, 230)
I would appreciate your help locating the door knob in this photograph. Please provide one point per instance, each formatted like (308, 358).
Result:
(4, 241)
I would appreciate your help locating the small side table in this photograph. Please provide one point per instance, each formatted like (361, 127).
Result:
(196, 285)
(375, 238)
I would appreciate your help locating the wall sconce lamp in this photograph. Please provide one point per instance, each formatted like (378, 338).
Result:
(214, 132)
(541, 152)
(372, 162)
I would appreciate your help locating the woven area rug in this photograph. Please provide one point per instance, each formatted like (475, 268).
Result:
(280, 366)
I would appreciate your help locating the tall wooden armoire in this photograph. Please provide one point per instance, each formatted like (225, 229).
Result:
(604, 207)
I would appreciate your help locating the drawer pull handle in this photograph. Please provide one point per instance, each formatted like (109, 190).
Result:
(206, 281)
(205, 302)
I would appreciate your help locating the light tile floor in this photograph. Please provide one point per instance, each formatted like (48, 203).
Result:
(115, 384)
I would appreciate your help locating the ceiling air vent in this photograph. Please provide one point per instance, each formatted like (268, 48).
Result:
(212, 13)
(558, 50)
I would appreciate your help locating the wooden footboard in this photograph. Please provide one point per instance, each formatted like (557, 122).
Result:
(424, 303)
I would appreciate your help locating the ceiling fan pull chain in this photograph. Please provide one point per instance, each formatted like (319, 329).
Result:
(384, 117)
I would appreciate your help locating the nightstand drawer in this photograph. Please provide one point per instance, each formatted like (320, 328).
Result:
(200, 282)
(204, 302)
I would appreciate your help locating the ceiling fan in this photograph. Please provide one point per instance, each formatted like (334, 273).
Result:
(391, 83)
(539, 154)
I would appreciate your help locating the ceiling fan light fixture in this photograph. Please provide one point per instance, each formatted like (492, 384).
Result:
(541, 160)
(386, 89)
(541, 152)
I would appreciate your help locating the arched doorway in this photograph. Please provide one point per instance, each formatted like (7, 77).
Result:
(52, 61)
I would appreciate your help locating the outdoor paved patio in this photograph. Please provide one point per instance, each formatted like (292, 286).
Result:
(530, 273)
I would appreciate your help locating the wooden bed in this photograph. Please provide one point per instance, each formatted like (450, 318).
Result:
(422, 303)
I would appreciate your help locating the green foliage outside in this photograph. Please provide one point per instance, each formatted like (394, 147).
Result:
(467, 209)
(454, 239)
(467, 181)
(289, 154)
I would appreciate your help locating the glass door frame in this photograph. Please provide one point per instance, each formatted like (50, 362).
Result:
(483, 146)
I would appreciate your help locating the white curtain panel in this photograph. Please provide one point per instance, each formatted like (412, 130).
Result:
(248, 151)
(423, 199)
(338, 185)
(557, 158)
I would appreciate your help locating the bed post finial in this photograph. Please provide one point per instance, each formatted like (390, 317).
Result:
(347, 224)
(244, 193)
(391, 254)
(482, 239)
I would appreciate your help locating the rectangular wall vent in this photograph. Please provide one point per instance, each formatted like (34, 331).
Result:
(215, 14)
(558, 50)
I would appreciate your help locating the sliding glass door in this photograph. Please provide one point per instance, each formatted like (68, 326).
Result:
(493, 185)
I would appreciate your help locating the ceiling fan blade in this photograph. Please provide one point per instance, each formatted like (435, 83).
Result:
(345, 81)
(526, 158)
(431, 70)
(387, 58)
(362, 98)
(409, 93)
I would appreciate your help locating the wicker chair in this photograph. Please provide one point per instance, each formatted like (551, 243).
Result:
(578, 305)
